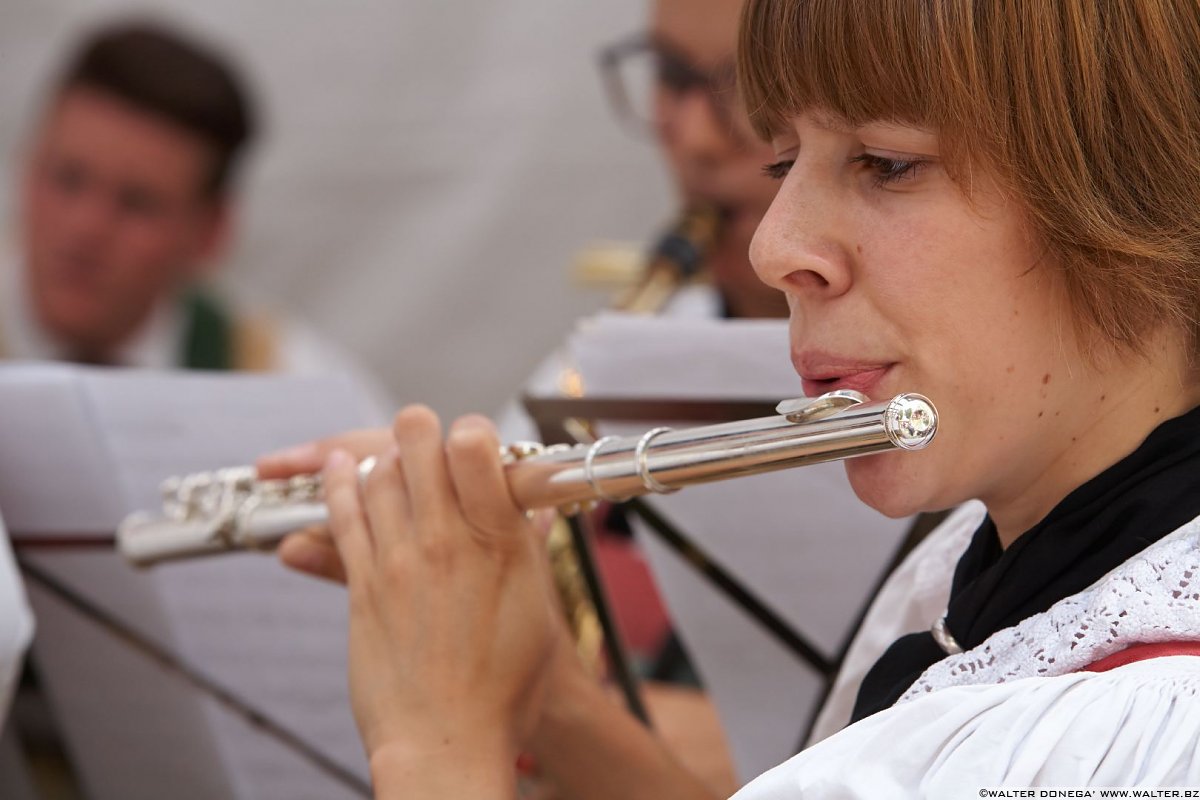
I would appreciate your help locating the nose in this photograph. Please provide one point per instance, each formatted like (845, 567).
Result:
(798, 247)
(690, 129)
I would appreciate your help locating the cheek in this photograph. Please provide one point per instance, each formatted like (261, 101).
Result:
(964, 297)
(977, 331)
(43, 207)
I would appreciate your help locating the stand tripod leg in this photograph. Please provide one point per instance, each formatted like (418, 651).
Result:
(614, 646)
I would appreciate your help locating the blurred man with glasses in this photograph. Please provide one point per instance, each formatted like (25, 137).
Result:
(676, 83)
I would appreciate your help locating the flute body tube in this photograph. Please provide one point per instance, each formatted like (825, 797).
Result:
(230, 509)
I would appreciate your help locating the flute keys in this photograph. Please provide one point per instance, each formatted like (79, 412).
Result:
(518, 450)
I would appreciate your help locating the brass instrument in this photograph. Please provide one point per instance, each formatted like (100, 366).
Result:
(646, 280)
(230, 509)
(677, 258)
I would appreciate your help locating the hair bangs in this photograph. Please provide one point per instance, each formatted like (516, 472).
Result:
(859, 60)
(1087, 113)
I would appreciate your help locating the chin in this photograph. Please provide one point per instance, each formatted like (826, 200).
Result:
(72, 319)
(891, 483)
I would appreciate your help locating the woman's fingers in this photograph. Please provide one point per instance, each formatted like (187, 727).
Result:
(385, 496)
(313, 553)
(423, 462)
(473, 456)
(447, 613)
(310, 457)
(347, 522)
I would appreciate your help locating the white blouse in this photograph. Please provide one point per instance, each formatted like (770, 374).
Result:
(1016, 712)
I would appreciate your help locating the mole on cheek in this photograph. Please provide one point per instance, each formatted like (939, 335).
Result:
(1045, 378)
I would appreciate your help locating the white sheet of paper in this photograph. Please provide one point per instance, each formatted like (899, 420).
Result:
(633, 355)
(798, 539)
(274, 638)
(55, 475)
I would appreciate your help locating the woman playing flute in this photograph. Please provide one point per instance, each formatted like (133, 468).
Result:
(988, 202)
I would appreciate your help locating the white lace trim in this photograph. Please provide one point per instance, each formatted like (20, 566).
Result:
(1152, 597)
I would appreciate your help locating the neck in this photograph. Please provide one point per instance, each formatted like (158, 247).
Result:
(1104, 427)
(91, 347)
(126, 344)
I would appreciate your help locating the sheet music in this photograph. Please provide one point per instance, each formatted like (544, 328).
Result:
(798, 539)
(55, 474)
(159, 424)
(632, 355)
(272, 637)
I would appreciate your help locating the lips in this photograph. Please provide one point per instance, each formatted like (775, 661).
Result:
(822, 372)
(74, 268)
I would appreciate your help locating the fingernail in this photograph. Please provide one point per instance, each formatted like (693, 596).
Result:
(338, 459)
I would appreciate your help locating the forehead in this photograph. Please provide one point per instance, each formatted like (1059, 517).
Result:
(122, 142)
(704, 30)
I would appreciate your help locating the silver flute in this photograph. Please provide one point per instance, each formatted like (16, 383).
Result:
(231, 509)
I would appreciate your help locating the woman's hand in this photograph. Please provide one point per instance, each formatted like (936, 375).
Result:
(310, 457)
(452, 623)
(584, 741)
(311, 551)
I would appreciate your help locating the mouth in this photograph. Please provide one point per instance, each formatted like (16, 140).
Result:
(75, 269)
(821, 373)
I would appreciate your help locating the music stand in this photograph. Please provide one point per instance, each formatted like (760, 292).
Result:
(81, 448)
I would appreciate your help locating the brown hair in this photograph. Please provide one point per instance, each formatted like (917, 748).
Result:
(158, 70)
(1088, 112)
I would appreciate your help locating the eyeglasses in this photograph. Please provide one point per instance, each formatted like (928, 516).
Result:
(644, 78)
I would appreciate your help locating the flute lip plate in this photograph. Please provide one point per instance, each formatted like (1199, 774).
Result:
(805, 409)
(911, 421)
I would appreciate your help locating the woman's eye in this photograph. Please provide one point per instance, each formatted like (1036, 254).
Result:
(888, 170)
(779, 170)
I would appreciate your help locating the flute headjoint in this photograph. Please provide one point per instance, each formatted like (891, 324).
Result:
(810, 409)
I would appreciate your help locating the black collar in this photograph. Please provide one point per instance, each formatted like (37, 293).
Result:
(1097, 527)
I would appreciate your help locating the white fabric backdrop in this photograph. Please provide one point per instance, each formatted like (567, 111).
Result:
(428, 170)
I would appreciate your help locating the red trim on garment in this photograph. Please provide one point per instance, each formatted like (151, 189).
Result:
(1140, 652)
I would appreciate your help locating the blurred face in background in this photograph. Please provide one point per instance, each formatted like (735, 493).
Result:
(713, 154)
(116, 217)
